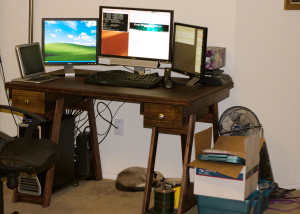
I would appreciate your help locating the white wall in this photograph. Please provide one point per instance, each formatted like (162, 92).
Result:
(262, 49)
(266, 73)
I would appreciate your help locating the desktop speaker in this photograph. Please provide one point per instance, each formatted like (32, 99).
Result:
(167, 81)
(167, 74)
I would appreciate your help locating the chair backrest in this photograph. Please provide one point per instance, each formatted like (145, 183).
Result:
(36, 120)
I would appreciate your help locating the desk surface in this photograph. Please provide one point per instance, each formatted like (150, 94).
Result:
(180, 95)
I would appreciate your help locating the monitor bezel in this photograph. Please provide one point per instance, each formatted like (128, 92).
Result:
(21, 61)
(203, 58)
(134, 57)
(69, 63)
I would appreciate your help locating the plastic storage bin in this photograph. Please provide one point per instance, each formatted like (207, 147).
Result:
(268, 188)
(213, 205)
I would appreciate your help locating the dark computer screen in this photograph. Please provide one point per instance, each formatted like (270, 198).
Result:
(30, 59)
(189, 50)
(135, 34)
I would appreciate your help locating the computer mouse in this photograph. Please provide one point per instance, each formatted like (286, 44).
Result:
(169, 84)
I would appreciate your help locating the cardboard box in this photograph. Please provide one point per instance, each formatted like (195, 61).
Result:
(226, 180)
(215, 57)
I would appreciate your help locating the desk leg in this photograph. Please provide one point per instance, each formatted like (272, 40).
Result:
(215, 118)
(94, 139)
(150, 169)
(183, 148)
(187, 159)
(54, 137)
(183, 144)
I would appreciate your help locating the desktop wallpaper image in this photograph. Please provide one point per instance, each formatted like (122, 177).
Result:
(70, 41)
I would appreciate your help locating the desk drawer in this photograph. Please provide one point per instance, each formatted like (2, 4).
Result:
(33, 101)
(165, 116)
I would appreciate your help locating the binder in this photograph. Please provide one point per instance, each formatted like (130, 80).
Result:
(222, 158)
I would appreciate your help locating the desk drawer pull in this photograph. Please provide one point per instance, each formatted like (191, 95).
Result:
(161, 116)
(26, 102)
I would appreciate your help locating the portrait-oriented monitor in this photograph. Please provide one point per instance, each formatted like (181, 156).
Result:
(70, 41)
(135, 37)
(189, 51)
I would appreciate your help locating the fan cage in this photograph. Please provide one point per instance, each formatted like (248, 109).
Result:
(239, 121)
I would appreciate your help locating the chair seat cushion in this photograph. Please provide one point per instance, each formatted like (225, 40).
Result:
(28, 155)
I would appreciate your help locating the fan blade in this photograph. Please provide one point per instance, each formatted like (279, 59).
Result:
(245, 122)
(227, 123)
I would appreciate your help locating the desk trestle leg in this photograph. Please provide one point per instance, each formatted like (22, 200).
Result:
(186, 144)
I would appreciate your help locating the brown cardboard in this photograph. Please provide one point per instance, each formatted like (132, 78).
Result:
(231, 170)
(242, 180)
(242, 146)
(202, 141)
(230, 144)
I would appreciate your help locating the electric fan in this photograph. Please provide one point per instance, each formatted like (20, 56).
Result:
(238, 121)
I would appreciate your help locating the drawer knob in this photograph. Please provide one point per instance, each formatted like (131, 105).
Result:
(161, 116)
(26, 102)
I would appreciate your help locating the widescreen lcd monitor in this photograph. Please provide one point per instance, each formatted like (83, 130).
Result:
(130, 35)
(69, 41)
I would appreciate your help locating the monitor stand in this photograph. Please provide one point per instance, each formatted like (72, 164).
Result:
(69, 71)
(194, 82)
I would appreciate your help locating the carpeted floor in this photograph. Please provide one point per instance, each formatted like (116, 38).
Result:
(102, 197)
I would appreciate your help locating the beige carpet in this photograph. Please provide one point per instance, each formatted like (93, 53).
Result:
(101, 197)
(89, 197)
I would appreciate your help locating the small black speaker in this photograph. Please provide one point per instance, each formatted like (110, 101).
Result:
(167, 74)
(83, 154)
(167, 81)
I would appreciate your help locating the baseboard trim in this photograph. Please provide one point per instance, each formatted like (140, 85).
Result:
(110, 176)
(289, 185)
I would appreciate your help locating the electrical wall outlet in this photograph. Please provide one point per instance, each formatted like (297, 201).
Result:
(120, 127)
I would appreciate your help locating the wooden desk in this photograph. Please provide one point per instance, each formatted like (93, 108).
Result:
(172, 111)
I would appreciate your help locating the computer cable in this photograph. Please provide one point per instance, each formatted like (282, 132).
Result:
(85, 119)
(81, 122)
(110, 122)
(5, 91)
(3, 79)
(118, 109)
(107, 107)
(293, 201)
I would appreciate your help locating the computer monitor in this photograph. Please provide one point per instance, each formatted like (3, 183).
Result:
(189, 51)
(135, 37)
(70, 41)
(30, 59)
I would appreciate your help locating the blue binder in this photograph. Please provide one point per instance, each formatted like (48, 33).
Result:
(222, 158)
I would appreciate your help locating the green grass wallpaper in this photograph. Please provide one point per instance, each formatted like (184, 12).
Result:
(69, 52)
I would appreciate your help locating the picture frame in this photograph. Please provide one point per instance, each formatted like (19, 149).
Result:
(292, 4)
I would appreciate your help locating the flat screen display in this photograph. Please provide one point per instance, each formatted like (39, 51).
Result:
(189, 49)
(30, 59)
(136, 33)
(69, 41)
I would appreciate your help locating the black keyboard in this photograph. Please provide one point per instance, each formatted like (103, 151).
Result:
(123, 79)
